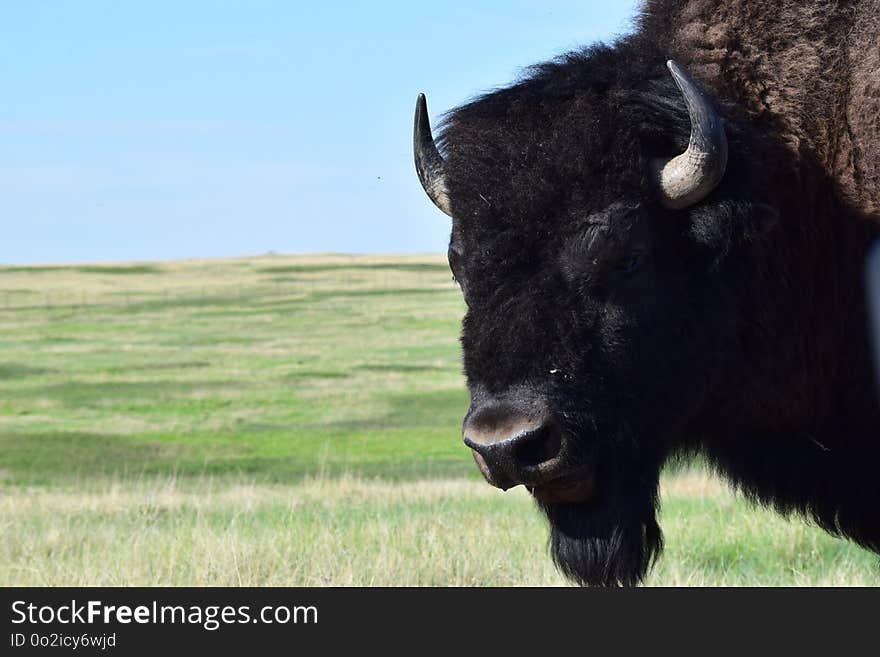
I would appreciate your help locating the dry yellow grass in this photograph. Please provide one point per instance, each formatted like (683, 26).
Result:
(350, 531)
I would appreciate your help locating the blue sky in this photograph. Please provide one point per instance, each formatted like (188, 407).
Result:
(154, 130)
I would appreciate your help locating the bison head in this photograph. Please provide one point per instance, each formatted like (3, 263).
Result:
(601, 251)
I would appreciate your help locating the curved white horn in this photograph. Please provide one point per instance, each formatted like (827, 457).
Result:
(688, 178)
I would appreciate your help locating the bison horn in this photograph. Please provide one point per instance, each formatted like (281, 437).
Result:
(688, 178)
(429, 163)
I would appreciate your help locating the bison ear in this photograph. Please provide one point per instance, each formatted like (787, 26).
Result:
(729, 224)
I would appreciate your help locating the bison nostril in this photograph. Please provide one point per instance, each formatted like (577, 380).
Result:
(513, 446)
(537, 447)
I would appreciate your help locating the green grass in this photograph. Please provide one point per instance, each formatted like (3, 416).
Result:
(292, 420)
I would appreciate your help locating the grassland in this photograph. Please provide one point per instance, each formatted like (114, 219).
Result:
(291, 421)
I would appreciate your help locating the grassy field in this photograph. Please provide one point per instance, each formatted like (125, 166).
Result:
(292, 421)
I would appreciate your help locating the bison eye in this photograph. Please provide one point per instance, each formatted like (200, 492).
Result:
(455, 264)
(454, 257)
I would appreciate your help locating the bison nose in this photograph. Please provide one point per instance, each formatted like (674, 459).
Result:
(511, 447)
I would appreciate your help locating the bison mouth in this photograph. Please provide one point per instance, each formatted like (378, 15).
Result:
(562, 491)
(551, 482)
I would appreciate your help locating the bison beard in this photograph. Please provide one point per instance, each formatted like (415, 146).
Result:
(613, 540)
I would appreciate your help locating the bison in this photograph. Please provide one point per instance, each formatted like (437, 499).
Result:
(660, 243)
